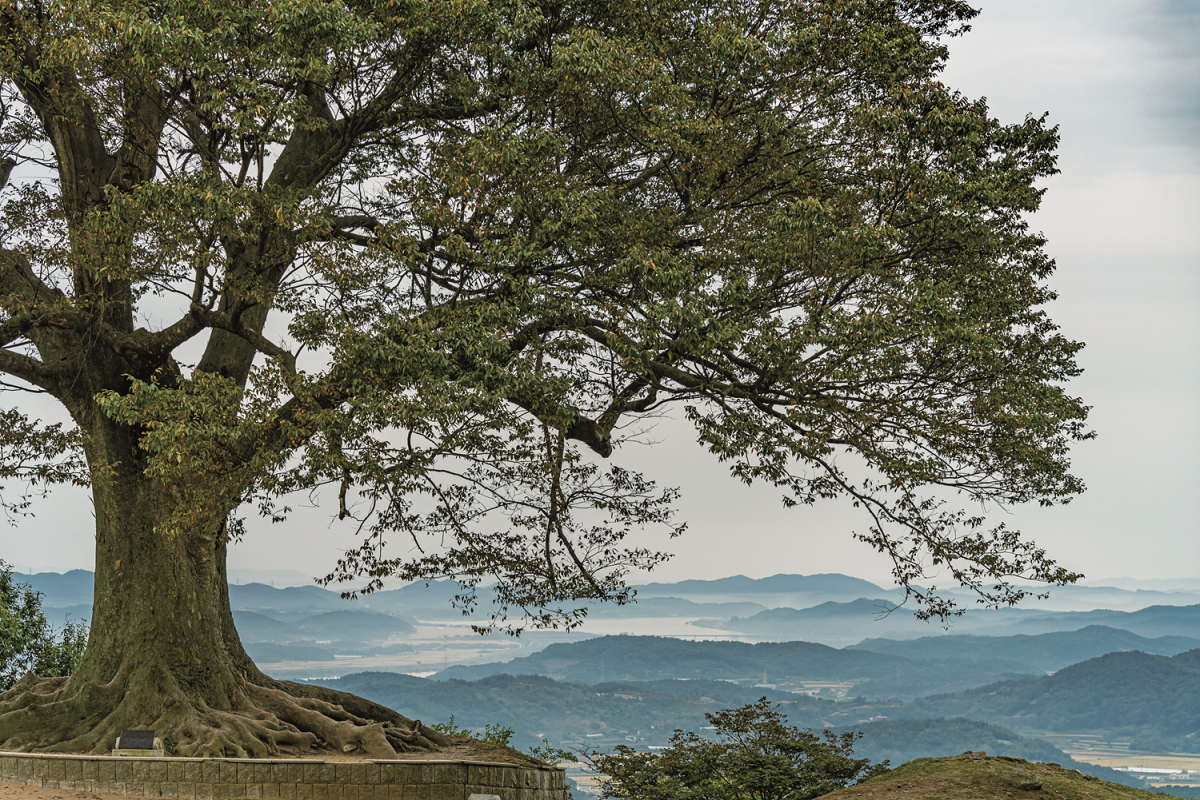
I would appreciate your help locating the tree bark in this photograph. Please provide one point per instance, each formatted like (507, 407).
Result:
(163, 652)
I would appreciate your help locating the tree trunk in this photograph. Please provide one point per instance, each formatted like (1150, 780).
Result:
(163, 652)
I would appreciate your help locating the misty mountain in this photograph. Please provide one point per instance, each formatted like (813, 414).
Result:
(841, 622)
(271, 653)
(641, 658)
(672, 607)
(1086, 598)
(254, 627)
(324, 626)
(1152, 621)
(825, 583)
(1041, 652)
(360, 625)
(732, 604)
(289, 598)
(431, 597)
(865, 618)
(74, 588)
(1074, 597)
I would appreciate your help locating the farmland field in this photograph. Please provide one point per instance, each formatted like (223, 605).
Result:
(1094, 749)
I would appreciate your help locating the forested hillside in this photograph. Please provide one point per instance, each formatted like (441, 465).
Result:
(597, 715)
(1154, 699)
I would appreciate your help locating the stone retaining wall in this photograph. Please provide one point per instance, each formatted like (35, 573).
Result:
(283, 779)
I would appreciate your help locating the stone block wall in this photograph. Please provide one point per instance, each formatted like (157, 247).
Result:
(283, 779)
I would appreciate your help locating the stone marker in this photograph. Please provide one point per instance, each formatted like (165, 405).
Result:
(484, 797)
(136, 740)
(143, 744)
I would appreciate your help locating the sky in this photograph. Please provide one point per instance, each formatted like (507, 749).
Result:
(1122, 80)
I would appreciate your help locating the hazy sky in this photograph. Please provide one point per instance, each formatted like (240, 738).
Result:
(1122, 79)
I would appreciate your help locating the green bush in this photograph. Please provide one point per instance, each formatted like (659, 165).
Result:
(756, 756)
(28, 643)
(502, 735)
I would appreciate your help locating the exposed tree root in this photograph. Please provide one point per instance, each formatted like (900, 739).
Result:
(261, 721)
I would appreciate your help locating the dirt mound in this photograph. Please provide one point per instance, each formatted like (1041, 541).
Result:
(978, 776)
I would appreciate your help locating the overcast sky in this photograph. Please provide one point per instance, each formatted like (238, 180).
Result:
(1122, 79)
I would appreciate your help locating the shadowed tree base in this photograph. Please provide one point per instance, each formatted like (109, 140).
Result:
(271, 719)
(163, 653)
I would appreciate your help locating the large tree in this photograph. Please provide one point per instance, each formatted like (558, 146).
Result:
(434, 260)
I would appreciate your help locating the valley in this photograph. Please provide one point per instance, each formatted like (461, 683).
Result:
(1102, 688)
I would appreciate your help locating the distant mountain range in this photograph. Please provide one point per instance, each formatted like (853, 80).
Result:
(61, 589)
(641, 658)
(830, 609)
(1170, 620)
(826, 583)
(865, 618)
(1046, 652)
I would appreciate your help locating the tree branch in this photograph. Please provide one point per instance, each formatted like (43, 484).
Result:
(224, 322)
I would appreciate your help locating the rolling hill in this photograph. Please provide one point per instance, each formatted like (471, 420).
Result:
(586, 715)
(901, 740)
(1154, 699)
(983, 777)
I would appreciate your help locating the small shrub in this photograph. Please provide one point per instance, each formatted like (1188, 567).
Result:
(497, 733)
(28, 643)
(502, 735)
(756, 756)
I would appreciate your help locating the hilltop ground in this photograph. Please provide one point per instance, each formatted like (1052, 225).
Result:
(978, 776)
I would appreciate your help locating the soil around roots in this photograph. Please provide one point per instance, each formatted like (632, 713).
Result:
(272, 719)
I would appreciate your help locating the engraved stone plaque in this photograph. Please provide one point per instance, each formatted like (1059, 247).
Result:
(136, 740)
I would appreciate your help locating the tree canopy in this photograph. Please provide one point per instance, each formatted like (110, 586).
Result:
(443, 257)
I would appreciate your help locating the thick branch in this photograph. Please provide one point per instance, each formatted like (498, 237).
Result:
(586, 431)
(29, 369)
(224, 322)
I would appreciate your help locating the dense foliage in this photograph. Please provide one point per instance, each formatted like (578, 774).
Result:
(756, 756)
(27, 641)
(437, 260)
(512, 230)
